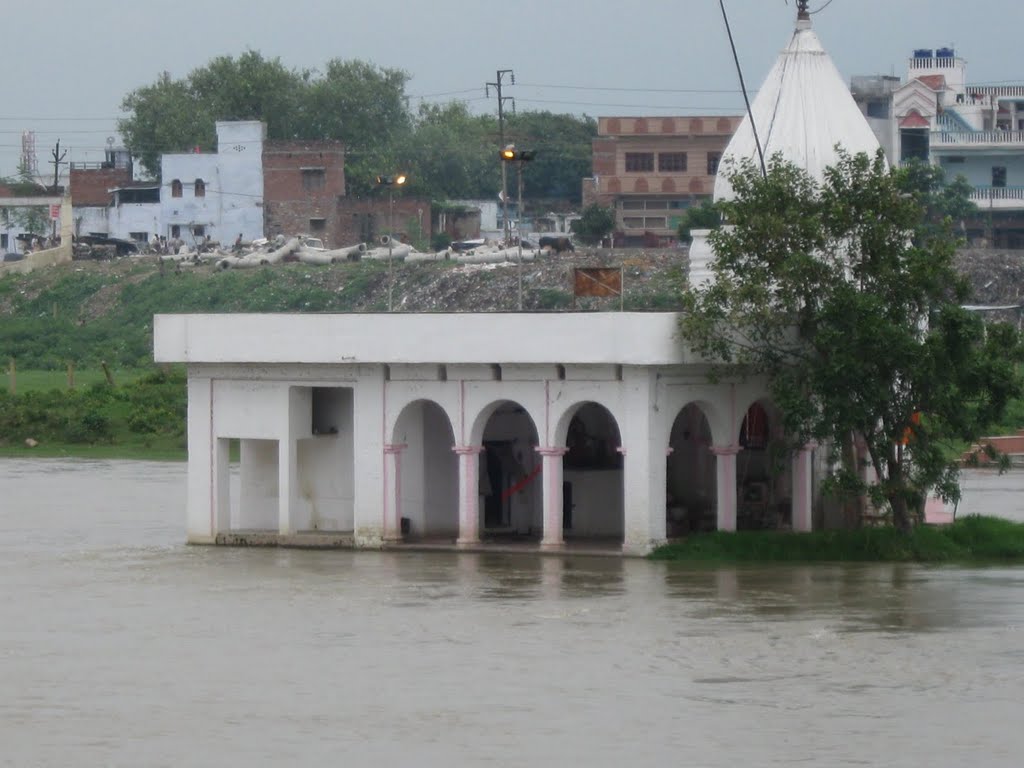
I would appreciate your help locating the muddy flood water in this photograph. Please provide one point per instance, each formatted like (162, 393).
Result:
(122, 646)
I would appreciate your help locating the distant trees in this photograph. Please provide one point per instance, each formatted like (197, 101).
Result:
(447, 151)
(594, 225)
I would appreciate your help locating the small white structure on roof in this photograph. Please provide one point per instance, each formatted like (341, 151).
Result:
(592, 428)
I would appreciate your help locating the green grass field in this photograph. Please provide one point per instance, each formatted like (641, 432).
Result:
(44, 381)
(141, 416)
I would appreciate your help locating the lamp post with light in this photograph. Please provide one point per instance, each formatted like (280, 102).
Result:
(519, 156)
(391, 182)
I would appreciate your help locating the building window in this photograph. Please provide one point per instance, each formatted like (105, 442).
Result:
(176, 188)
(633, 222)
(139, 237)
(3, 242)
(958, 159)
(198, 230)
(175, 231)
(639, 162)
(200, 188)
(318, 225)
(714, 158)
(632, 205)
(313, 178)
(999, 176)
(672, 162)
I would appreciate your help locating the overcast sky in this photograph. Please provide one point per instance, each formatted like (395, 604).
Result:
(69, 63)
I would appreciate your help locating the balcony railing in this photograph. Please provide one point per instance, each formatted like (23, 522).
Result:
(935, 62)
(977, 137)
(997, 90)
(984, 194)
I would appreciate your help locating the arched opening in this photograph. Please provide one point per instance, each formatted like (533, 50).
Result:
(176, 188)
(592, 480)
(690, 494)
(200, 188)
(510, 474)
(428, 472)
(763, 473)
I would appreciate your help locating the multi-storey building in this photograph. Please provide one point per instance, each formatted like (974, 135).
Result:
(651, 169)
(975, 131)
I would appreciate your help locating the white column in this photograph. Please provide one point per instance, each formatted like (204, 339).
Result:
(469, 494)
(393, 491)
(725, 474)
(368, 458)
(551, 475)
(643, 449)
(802, 492)
(220, 514)
(287, 486)
(204, 488)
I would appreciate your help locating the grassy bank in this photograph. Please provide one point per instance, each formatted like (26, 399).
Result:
(143, 418)
(44, 381)
(970, 539)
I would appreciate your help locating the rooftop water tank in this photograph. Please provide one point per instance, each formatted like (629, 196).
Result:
(922, 53)
(945, 53)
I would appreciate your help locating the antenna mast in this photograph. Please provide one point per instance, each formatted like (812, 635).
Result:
(802, 12)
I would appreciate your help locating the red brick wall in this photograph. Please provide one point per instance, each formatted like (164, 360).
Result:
(366, 219)
(89, 185)
(289, 202)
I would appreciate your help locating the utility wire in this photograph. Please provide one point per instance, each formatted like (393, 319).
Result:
(746, 99)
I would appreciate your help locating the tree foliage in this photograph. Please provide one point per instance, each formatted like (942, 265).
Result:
(703, 216)
(351, 101)
(452, 154)
(594, 225)
(845, 297)
(446, 151)
(563, 146)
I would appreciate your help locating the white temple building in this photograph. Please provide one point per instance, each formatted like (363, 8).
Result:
(547, 430)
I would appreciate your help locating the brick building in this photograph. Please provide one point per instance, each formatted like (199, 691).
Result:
(303, 183)
(364, 220)
(651, 169)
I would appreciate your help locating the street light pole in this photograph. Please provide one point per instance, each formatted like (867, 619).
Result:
(391, 230)
(519, 169)
(519, 156)
(391, 182)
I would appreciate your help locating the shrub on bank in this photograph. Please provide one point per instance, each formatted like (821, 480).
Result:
(152, 407)
(971, 538)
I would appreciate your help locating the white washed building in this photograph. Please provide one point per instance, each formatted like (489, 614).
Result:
(588, 428)
(217, 194)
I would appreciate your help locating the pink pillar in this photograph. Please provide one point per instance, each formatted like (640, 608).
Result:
(393, 491)
(802, 498)
(552, 478)
(469, 494)
(725, 473)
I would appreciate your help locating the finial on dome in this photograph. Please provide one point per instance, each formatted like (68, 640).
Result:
(802, 14)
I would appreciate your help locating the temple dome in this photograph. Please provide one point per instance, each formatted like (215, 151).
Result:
(803, 110)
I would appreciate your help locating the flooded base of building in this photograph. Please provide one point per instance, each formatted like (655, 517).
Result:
(347, 540)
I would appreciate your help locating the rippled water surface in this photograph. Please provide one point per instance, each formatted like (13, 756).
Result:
(121, 646)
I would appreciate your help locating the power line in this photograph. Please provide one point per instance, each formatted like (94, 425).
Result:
(630, 90)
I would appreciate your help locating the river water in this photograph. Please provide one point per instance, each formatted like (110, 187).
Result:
(121, 646)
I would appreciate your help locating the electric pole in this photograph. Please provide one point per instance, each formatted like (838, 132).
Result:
(57, 162)
(497, 85)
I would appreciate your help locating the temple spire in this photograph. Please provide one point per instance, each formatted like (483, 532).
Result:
(802, 13)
